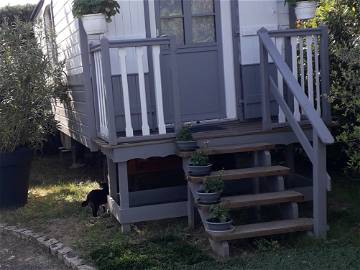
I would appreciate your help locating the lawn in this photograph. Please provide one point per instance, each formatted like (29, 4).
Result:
(54, 207)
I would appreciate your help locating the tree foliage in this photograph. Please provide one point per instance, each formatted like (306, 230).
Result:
(11, 13)
(29, 81)
(343, 20)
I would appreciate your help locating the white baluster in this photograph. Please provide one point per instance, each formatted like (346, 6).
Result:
(281, 49)
(294, 41)
(100, 93)
(310, 69)
(317, 80)
(158, 90)
(144, 116)
(302, 71)
(126, 98)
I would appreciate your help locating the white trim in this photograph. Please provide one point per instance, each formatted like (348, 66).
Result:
(228, 59)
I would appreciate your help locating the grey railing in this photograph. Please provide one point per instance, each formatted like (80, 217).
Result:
(299, 101)
(137, 57)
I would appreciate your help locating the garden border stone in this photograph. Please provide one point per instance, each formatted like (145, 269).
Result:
(51, 245)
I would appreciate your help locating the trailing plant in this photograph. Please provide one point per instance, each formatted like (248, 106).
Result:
(218, 213)
(214, 184)
(199, 159)
(184, 134)
(84, 7)
(29, 82)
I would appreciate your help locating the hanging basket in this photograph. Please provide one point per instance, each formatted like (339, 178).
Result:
(305, 10)
(94, 24)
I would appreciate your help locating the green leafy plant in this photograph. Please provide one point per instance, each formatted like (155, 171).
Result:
(199, 159)
(214, 184)
(218, 213)
(29, 82)
(184, 135)
(84, 7)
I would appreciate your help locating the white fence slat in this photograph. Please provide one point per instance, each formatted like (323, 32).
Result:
(281, 48)
(144, 116)
(158, 89)
(294, 42)
(302, 71)
(310, 82)
(126, 98)
(317, 75)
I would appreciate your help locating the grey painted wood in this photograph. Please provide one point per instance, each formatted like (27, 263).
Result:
(123, 185)
(265, 87)
(112, 179)
(106, 71)
(320, 187)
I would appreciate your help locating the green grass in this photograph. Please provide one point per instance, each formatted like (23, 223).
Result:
(54, 207)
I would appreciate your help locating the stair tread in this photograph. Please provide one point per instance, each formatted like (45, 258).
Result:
(230, 149)
(238, 174)
(264, 229)
(250, 200)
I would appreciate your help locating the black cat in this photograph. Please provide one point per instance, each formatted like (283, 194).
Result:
(96, 198)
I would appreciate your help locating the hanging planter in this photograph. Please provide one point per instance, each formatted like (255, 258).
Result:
(305, 10)
(95, 14)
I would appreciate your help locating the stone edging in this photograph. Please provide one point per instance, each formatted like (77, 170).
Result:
(51, 245)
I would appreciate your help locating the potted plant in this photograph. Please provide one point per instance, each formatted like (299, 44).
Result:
(199, 164)
(210, 194)
(95, 14)
(185, 141)
(303, 9)
(219, 219)
(29, 82)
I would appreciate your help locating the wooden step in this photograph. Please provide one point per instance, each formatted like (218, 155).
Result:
(251, 200)
(238, 174)
(231, 149)
(264, 229)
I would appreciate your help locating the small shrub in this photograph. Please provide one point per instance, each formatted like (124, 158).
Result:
(218, 213)
(199, 159)
(214, 184)
(107, 7)
(184, 134)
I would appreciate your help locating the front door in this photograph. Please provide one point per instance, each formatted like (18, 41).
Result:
(196, 25)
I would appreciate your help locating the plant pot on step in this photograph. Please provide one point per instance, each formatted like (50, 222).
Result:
(218, 226)
(186, 146)
(199, 164)
(14, 177)
(94, 24)
(208, 197)
(305, 10)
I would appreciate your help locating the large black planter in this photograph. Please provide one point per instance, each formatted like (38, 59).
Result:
(14, 177)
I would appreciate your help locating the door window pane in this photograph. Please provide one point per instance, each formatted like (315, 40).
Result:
(173, 26)
(203, 29)
(202, 6)
(170, 8)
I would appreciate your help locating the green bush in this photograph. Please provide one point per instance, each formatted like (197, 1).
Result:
(29, 81)
(107, 7)
(214, 184)
(343, 20)
(217, 212)
(184, 134)
(199, 159)
(12, 13)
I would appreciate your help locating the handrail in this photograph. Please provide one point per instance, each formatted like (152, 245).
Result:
(295, 32)
(133, 43)
(293, 85)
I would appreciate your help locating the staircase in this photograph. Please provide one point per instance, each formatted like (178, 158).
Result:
(267, 190)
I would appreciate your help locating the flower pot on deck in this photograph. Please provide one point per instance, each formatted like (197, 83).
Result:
(199, 170)
(14, 177)
(217, 226)
(208, 198)
(305, 10)
(94, 24)
(186, 146)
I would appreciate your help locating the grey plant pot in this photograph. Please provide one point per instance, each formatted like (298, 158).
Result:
(199, 170)
(186, 146)
(219, 226)
(208, 198)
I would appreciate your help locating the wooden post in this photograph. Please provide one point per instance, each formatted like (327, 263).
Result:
(106, 71)
(319, 187)
(190, 202)
(324, 69)
(265, 91)
(175, 85)
(123, 191)
(112, 179)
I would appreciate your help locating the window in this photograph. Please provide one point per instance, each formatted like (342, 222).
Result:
(191, 21)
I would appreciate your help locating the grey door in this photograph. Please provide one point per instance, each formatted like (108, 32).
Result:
(196, 25)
